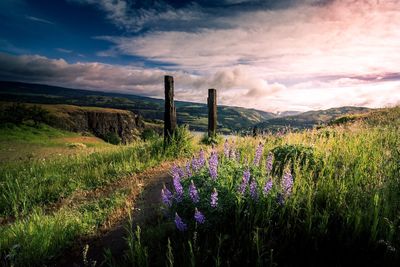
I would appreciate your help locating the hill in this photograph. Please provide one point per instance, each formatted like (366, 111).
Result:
(309, 119)
(193, 114)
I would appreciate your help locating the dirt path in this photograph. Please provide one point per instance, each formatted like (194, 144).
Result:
(145, 208)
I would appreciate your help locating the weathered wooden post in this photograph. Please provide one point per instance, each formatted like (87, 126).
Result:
(170, 111)
(212, 112)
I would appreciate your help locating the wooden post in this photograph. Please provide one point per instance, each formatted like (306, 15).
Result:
(212, 112)
(170, 111)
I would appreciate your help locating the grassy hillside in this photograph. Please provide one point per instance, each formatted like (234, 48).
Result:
(193, 114)
(309, 119)
(327, 197)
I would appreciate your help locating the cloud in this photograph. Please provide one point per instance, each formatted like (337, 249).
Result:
(32, 18)
(236, 86)
(63, 50)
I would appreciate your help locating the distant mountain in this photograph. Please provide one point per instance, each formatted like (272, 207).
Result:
(287, 113)
(193, 114)
(309, 119)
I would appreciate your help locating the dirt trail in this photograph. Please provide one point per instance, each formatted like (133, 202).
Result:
(145, 208)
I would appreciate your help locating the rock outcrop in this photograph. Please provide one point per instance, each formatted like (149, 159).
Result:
(102, 122)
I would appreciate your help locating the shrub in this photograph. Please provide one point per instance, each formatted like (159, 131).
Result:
(214, 140)
(112, 138)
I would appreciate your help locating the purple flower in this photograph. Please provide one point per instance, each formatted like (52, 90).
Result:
(194, 195)
(258, 155)
(253, 190)
(202, 160)
(179, 223)
(232, 152)
(178, 188)
(213, 165)
(214, 198)
(166, 196)
(270, 161)
(226, 148)
(195, 164)
(245, 181)
(287, 183)
(199, 217)
(188, 170)
(268, 187)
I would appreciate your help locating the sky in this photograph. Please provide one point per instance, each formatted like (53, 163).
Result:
(272, 55)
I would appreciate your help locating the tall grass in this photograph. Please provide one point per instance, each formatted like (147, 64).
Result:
(344, 208)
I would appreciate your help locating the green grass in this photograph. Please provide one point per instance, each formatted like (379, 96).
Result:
(37, 228)
(344, 209)
(28, 134)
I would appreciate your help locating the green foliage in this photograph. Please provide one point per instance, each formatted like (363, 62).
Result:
(211, 140)
(289, 155)
(112, 138)
(149, 134)
(19, 113)
(180, 143)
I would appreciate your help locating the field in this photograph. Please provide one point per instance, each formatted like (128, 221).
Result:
(326, 197)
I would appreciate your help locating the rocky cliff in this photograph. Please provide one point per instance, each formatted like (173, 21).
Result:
(102, 122)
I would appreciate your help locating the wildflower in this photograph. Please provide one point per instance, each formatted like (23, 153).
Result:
(258, 155)
(178, 188)
(166, 196)
(232, 152)
(202, 159)
(287, 183)
(270, 161)
(195, 164)
(194, 195)
(179, 223)
(226, 148)
(199, 217)
(175, 172)
(213, 165)
(214, 198)
(245, 181)
(188, 170)
(268, 187)
(253, 189)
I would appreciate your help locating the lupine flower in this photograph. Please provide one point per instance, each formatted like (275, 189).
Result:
(226, 148)
(180, 172)
(214, 198)
(195, 164)
(202, 159)
(258, 155)
(270, 161)
(179, 223)
(253, 190)
(267, 187)
(175, 172)
(188, 170)
(194, 195)
(166, 196)
(199, 217)
(213, 165)
(287, 183)
(232, 152)
(178, 188)
(245, 181)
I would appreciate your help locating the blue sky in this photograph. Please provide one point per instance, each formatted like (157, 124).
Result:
(267, 54)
